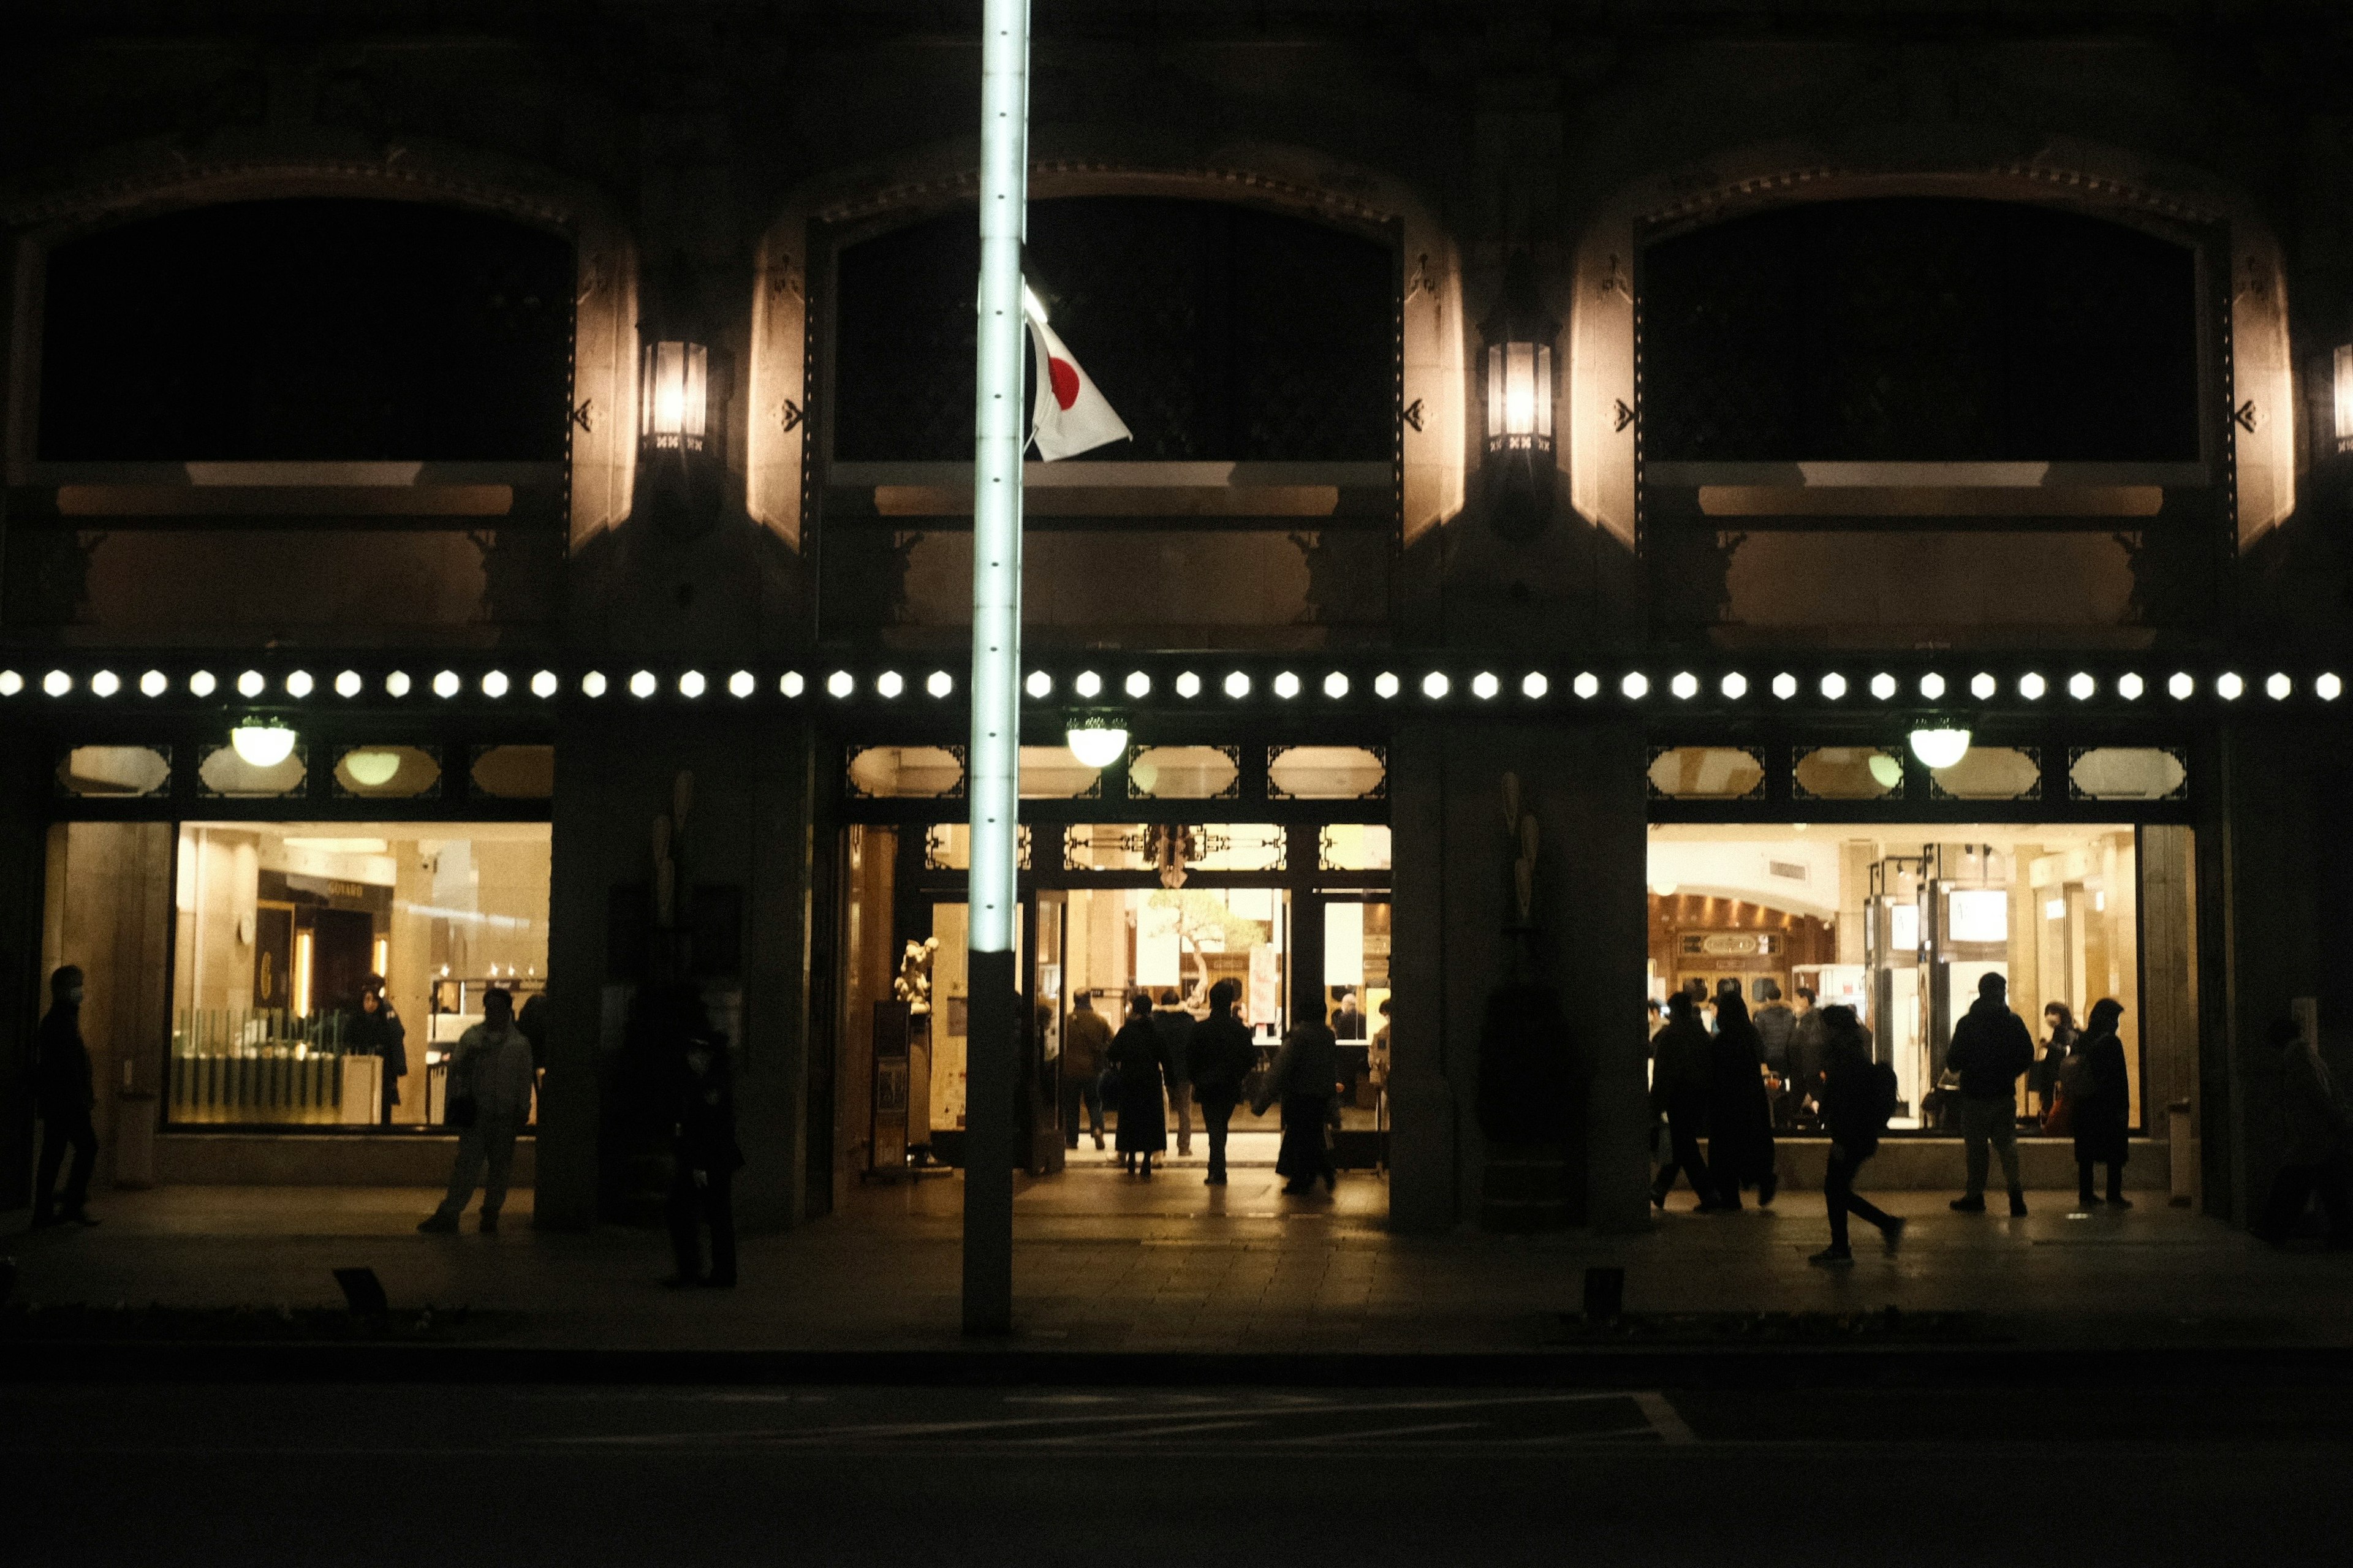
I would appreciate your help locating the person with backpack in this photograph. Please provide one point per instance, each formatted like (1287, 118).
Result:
(1858, 1097)
(1991, 1051)
(488, 1102)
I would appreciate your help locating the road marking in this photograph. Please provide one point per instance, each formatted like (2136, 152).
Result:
(1129, 1436)
(1313, 1438)
(1665, 1419)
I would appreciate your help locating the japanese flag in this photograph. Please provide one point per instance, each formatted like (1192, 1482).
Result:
(1072, 414)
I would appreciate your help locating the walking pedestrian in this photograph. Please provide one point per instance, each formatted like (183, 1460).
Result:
(1990, 1050)
(1776, 1024)
(1136, 1053)
(64, 1095)
(1085, 1041)
(705, 1158)
(1175, 1026)
(1306, 1079)
(378, 1032)
(489, 1100)
(2101, 1094)
(1222, 1057)
(1858, 1097)
(1681, 1078)
(2319, 1148)
(2058, 1038)
(1740, 1114)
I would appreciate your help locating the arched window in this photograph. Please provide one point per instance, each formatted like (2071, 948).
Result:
(308, 330)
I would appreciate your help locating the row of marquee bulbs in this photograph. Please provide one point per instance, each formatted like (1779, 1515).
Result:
(1089, 684)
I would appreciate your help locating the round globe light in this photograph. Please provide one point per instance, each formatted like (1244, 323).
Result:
(1939, 746)
(1096, 746)
(262, 745)
(371, 768)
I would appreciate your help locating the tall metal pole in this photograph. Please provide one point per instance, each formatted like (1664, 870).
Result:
(992, 768)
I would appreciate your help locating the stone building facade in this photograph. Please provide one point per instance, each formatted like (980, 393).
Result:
(1943, 345)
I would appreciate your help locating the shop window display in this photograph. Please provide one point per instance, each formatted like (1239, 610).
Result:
(277, 927)
(1900, 921)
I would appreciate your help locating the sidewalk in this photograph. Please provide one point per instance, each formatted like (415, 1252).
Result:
(1106, 1264)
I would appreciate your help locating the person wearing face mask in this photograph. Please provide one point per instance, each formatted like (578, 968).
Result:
(65, 1096)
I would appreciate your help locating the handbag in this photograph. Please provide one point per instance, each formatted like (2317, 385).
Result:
(460, 1109)
(2059, 1120)
(1109, 1085)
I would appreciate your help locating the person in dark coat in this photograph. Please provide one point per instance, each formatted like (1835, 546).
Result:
(1306, 1076)
(64, 1094)
(1086, 1037)
(1682, 1075)
(1223, 1055)
(2043, 1077)
(706, 1158)
(1176, 1025)
(379, 1032)
(1739, 1113)
(1858, 1097)
(1991, 1049)
(1775, 1024)
(1806, 1055)
(2317, 1155)
(2101, 1093)
(1135, 1054)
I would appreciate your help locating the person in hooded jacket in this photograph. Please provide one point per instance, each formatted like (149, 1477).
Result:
(1990, 1050)
(65, 1096)
(2100, 1091)
(1739, 1113)
(1136, 1054)
(1222, 1057)
(1683, 1073)
(378, 1032)
(1858, 1097)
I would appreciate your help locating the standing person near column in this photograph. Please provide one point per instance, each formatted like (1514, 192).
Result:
(2319, 1144)
(381, 1033)
(1679, 1086)
(1142, 1122)
(1991, 1050)
(65, 1096)
(1804, 1073)
(1775, 1024)
(1858, 1097)
(1740, 1114)
(1306, 1076)
(705, 1159)
(488, 1101)
(1086, 1036)
(1222, 1056)
(2099, 1090)
(1175, 1026)
(2043, 1078)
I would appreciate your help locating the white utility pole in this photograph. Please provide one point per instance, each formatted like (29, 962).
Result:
(992, 766)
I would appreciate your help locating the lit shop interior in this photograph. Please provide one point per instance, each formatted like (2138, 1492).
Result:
(1900, 921)
(1109, 909)
(277, 927)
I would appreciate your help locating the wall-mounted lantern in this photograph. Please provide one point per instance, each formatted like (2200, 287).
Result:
(2343, 398)
(1096, 739)
(674, 401)
(1939, 746)
(1522, 461)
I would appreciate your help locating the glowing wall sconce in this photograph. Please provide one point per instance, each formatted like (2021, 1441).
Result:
(262, 743)
(674, 401)
(1522, 461)
(2342, 399)
(1096, 741)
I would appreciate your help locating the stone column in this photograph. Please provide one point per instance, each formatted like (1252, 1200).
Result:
(1453, 880)
(24, 990)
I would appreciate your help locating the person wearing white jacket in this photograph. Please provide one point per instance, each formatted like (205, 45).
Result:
(488, 1101)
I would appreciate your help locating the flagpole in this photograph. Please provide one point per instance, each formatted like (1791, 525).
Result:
(992, 766)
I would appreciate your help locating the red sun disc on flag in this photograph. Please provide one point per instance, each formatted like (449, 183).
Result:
(1065, 377)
